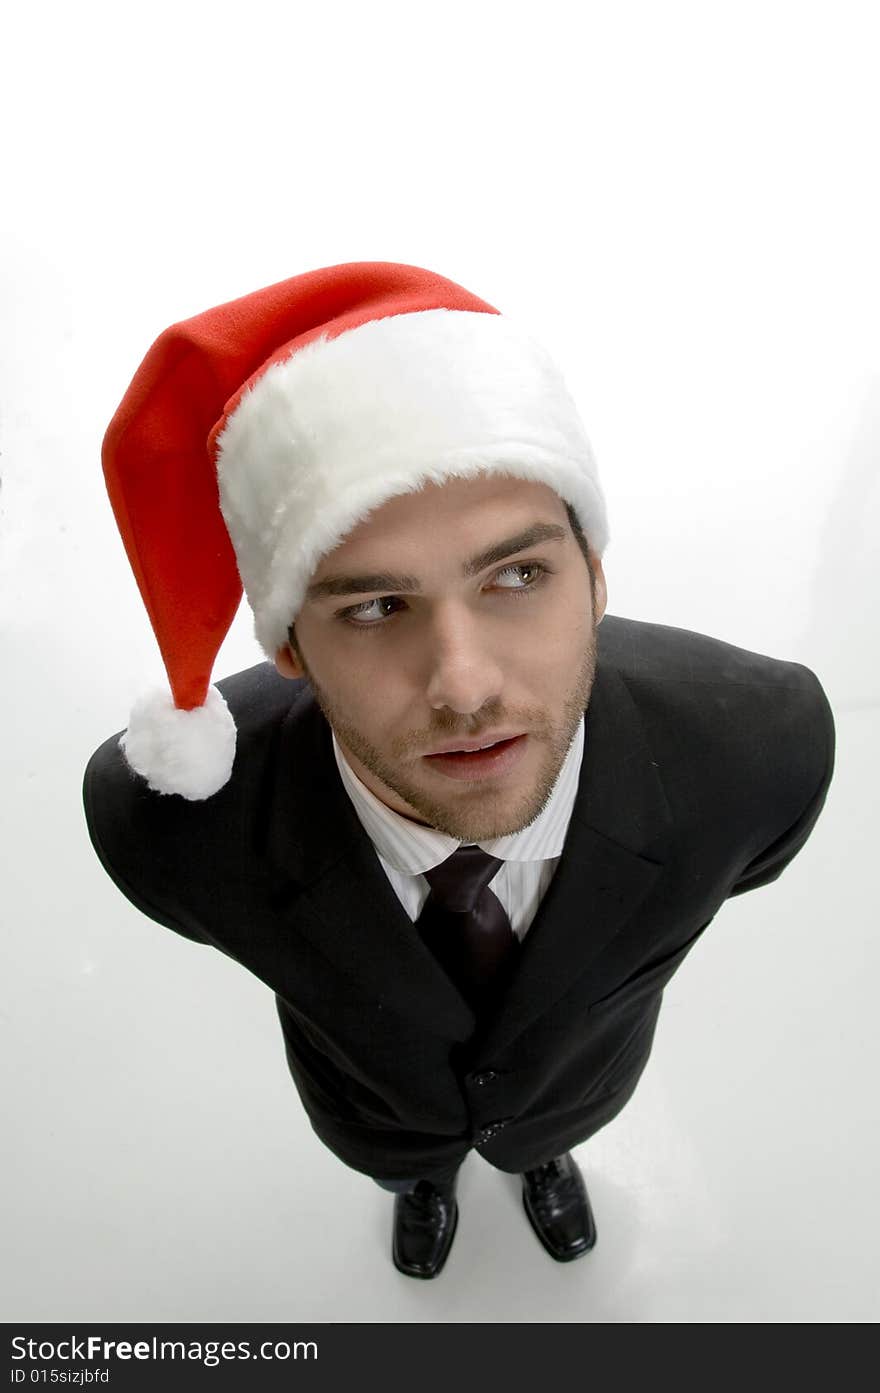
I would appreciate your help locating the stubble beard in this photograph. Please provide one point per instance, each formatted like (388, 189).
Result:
(473, 813)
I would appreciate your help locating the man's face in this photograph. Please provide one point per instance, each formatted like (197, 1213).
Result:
(436, 623)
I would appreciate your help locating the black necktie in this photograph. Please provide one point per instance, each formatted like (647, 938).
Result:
(464, 924)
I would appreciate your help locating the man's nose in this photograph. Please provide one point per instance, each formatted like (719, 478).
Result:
(463, 672)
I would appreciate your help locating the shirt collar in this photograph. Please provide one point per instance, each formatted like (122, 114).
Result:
(409, 847)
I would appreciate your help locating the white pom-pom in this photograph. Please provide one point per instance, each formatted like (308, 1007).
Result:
(185, 752)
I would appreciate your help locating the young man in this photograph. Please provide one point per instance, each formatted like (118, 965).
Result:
(463, 824)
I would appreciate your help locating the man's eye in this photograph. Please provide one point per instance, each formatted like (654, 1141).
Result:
(527, 572)
(371, 611)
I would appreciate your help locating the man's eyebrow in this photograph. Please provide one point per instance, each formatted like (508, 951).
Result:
(360, 585)
(403, 584)
(539, 532)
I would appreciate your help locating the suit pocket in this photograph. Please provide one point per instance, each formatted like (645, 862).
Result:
(648, 979)
(625, 1068)
(322, 1083)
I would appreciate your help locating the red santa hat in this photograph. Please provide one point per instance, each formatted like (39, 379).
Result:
(255, 436)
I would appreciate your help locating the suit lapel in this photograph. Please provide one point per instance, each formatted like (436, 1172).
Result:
(613, 853)
(329, 884)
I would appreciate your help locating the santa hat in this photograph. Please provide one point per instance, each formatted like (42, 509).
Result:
(255, 436)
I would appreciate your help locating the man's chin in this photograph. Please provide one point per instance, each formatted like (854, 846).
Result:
(475, 829)
(477, 814)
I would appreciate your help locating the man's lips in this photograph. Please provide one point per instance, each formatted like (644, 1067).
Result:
(477, 742)
(476, 763)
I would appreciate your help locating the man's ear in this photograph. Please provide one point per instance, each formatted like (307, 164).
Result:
(600, 588)
(288, 664)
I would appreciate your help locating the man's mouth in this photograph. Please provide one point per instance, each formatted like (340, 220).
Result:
(478, 759)
(474, 744)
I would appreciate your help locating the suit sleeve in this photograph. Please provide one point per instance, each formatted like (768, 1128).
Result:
(123, 821)
(815, 746)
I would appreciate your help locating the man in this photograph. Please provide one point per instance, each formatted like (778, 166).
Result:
(464, 825)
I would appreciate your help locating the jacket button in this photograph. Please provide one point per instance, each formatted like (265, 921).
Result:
(484, 1077)
(492, 1127)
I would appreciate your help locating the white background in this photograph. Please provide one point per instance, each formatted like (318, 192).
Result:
(680, 200)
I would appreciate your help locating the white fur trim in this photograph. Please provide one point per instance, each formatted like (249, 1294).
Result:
(185, 752)
(330, 433)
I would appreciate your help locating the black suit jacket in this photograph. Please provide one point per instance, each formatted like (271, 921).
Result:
(705, 768)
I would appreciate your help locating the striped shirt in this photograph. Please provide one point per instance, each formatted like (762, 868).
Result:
(406, 849)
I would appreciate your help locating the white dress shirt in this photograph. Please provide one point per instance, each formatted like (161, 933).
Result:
(406, 849)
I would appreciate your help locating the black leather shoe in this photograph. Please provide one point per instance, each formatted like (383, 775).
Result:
(558, 1208)
(425, 1220)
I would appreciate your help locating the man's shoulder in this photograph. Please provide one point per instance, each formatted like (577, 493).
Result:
(259, 700)
(722, 715)
(645, 653)
(141, 836)
(259, 697)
